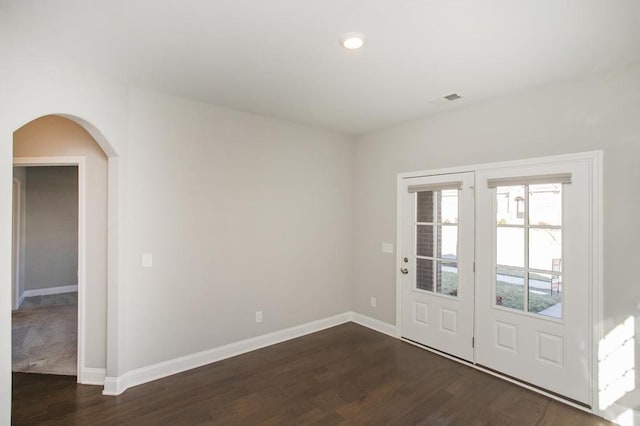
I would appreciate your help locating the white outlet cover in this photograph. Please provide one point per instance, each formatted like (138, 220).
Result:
(258, 316)
(374, 302)
(387, 247)
(147, 260)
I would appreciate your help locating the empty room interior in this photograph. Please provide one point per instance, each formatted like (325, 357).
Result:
(319, 212)
(44, 317)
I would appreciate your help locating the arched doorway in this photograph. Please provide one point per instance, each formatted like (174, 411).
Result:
(39, 142)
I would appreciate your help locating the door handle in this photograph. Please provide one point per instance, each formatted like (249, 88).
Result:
(404, 271)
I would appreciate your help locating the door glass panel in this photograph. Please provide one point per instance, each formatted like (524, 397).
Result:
(529, 242)
(545, 294)
(510, 246)
(510, 205)
(545, 204)
(424, 206)
(510, 288)
(424, 240)
(545, 249)
(449, 242)
(448, 282)
(437, 242)
(449, 202)
(424, 274)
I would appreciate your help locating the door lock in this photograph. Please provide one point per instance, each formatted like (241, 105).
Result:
(404, 271)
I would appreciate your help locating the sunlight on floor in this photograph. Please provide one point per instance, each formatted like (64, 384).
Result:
(625, 419)
(616, 358)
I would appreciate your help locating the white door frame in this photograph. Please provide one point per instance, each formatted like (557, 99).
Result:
(15, 233)
(80, 163)
(597, 290)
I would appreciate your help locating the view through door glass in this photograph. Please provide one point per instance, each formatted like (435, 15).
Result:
(437, 241)
(529, 248)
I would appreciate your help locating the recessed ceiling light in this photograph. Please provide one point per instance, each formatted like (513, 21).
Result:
(352, 41)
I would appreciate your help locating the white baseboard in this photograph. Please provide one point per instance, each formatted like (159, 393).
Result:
(20, 300)
(117, 385)
(114, 385)
(374, 324)
(93, 376)
(49, 291)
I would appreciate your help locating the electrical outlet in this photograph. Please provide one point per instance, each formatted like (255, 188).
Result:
(258, 316)
(374, 302)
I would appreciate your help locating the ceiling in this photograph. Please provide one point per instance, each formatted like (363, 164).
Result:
(282, 58)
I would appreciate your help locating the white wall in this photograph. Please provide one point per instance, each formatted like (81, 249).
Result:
(34, 83)
(52, 228)
(241, 213)
(601, 112)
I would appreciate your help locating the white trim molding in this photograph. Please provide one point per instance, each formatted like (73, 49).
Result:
(16, 239)
(51, 290)
(116, 385)
(79, 162)
(374, 324)
(20, 300)
(94, 376)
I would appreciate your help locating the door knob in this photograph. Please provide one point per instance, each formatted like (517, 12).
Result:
(404, 270)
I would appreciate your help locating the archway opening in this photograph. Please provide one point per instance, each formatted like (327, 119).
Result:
(57, 142)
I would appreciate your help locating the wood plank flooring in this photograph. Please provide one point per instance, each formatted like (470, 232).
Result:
(344, 375)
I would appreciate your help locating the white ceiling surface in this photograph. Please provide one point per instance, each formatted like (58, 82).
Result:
(281, 58)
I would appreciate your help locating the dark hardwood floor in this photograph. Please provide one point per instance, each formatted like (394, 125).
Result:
(344, 375)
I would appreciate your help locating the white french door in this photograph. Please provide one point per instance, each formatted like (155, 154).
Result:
(437, 263)
(527, 301)
(533, 274)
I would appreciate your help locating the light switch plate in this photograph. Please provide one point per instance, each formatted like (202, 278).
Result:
(147, 260)
(387, 247)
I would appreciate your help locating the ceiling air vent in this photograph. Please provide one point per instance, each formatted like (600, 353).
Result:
(443, 100)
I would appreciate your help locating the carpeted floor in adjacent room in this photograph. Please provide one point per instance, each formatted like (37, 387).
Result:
(44, 335)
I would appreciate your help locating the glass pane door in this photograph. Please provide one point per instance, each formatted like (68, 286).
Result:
(529, 248)
(436, 241)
